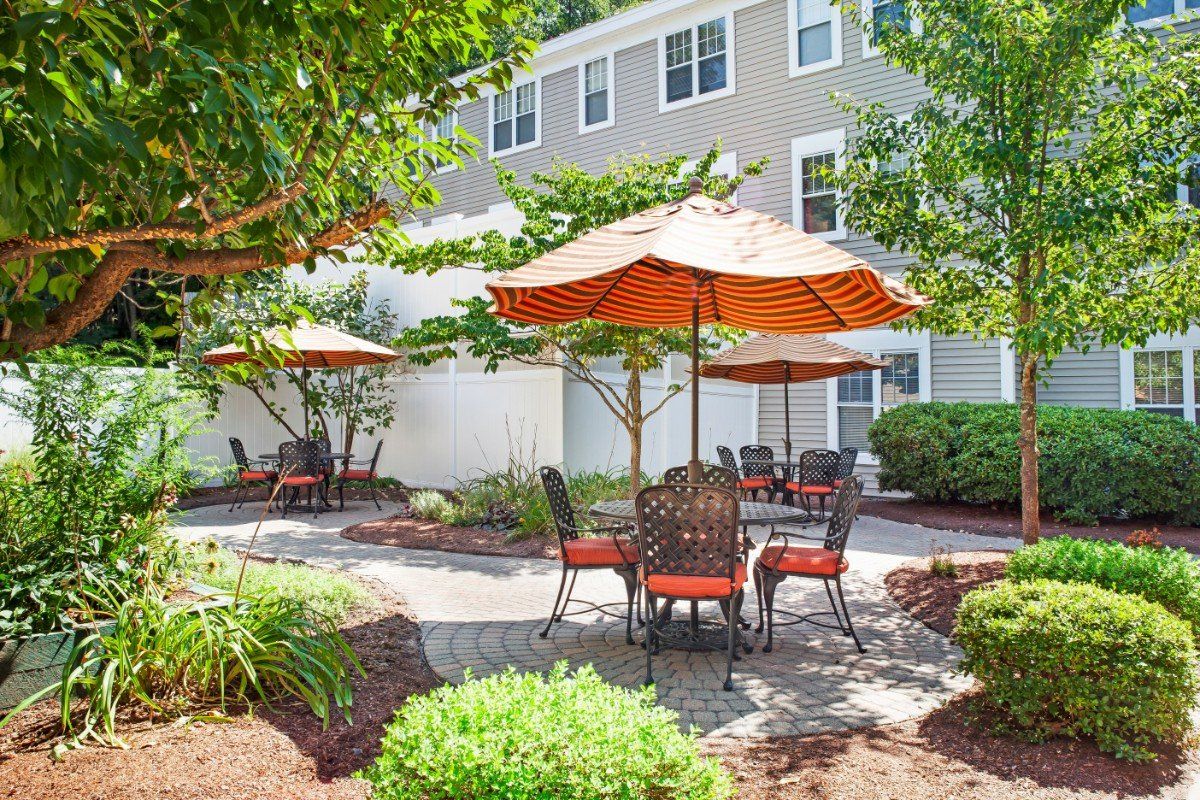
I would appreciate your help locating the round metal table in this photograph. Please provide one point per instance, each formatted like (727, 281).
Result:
(748, 513)
(324, 456)
(325, 503)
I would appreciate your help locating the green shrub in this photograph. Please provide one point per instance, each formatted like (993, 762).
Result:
(568, 737)
(329, 594)
(1077, 660)
(1094, 462)
(429, 504)
(1166, 576)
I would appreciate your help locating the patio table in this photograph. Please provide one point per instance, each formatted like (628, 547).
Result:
(331, 457)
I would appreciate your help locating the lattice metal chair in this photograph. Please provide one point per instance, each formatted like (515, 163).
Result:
(728, 461)
(580, 548)
(756, 477)
(300, 466)
(689, 543)
(369, 475)
(815, 478)
(713, 475)
(847, 460)
(781, 559)
(249, 474)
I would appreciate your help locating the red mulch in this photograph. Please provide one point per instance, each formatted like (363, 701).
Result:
(282, 754)
(223, 496)
(424, 534)
(990, 521)
(933, 599)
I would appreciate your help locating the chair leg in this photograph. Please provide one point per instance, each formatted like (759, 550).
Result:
(378, 507)
(341, 494)
(571, 588)
(846, 612)
(735, 604)
(631, 586)
(237, 490)
(554, 611)
(758, 593)
(651, 622)
(836, 614)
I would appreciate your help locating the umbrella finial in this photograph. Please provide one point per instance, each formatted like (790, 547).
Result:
(696, 186)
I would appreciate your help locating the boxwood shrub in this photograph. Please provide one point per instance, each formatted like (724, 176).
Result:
(564, 736)
(1094, 462)
(1078, 660)
(1168, 576)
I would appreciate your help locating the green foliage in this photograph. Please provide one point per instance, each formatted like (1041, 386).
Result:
(1167, 576)
(520, 737)
(172, 659)
(214, 137)
(87, 507)
(434, 505)
(329, 595)
(359, 396)
(1077, 660)
(560, 206)
(1094, 462)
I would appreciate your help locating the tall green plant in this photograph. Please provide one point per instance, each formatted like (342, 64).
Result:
(1035, 188)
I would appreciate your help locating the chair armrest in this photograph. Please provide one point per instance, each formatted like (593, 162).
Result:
(786, 535)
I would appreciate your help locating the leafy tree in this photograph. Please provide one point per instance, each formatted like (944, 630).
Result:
(560, 206)
(1035, 188)
(360, 396)
(211, 138)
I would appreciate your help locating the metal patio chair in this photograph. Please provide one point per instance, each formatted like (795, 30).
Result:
(689, 543)
(249, 474)
(608, 547)
(300, 466)
(781, 559)
(369, 475)
(847, 460)
(756, 477)
(713, 475)
(815, 477)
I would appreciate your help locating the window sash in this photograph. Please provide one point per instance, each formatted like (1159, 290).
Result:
(1158, 377)
(595, 91)
(1152, 9)
(814, 32)
(876, 390)
(818, 197)
(885, 13)
(514, 117)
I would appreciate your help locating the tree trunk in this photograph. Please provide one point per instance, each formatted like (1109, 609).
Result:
(1031, 524)
(635, 460)
(633, 397)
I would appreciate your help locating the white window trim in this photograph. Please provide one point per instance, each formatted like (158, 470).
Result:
(868, 7)
(450, 167)
(488, 97)
(1188, 343)
(1179, 11)
(835, 31)
(730, 62)
(726, 164)
(612, 86)
(813, 144)
(875, 342)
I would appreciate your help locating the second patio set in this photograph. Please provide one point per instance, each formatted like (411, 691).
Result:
(692, 262)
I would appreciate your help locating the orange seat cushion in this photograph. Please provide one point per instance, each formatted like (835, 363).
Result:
(837, 484)
(600, 551)
(695, 587)
(803, 560)
(301, 480)
(258, 475)
(796, 488)
(358, 475)
(755, 483)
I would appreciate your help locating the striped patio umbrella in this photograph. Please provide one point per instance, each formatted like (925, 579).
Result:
(776, 358)
(308, 346)
(698, 260)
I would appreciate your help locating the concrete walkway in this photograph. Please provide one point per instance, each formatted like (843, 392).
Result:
(484, 613)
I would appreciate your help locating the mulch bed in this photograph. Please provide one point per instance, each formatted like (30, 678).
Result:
(989, 521)
(280, 754)
(223, 496)
(424, 534)
(933, 599)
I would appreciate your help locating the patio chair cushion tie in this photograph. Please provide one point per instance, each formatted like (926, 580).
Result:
(258, 475)
(697, 587)
(803, 560)
(600, 551)
(358, 475)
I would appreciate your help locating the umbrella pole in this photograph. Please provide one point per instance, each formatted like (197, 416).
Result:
(695, 470)
(787, 413)
(304, 393)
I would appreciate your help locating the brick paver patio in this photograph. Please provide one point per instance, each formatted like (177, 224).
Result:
(483, 613)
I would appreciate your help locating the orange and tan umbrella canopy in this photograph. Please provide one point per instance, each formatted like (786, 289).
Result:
(772, 358)
(739, 267)
(312, 346)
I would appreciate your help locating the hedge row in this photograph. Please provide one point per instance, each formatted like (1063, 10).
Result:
(1094, 462)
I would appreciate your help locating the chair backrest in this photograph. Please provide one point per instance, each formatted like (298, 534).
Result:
(688, 530)
(712, 475)
(847, 459)
(818, 467)
(753, 451)
(845, 507)
(300, 459)
(727, 459)
(239, 453)
(375, 458)
(326, 445)
(560, 504)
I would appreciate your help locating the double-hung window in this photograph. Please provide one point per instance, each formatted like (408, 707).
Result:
(1164, 376)
(596, 94)
(881, 17)
(1150, 12)
(514, 119)
(815, 36)
(863, 396)
(443, 132)
(814, 196)
(696, 63)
